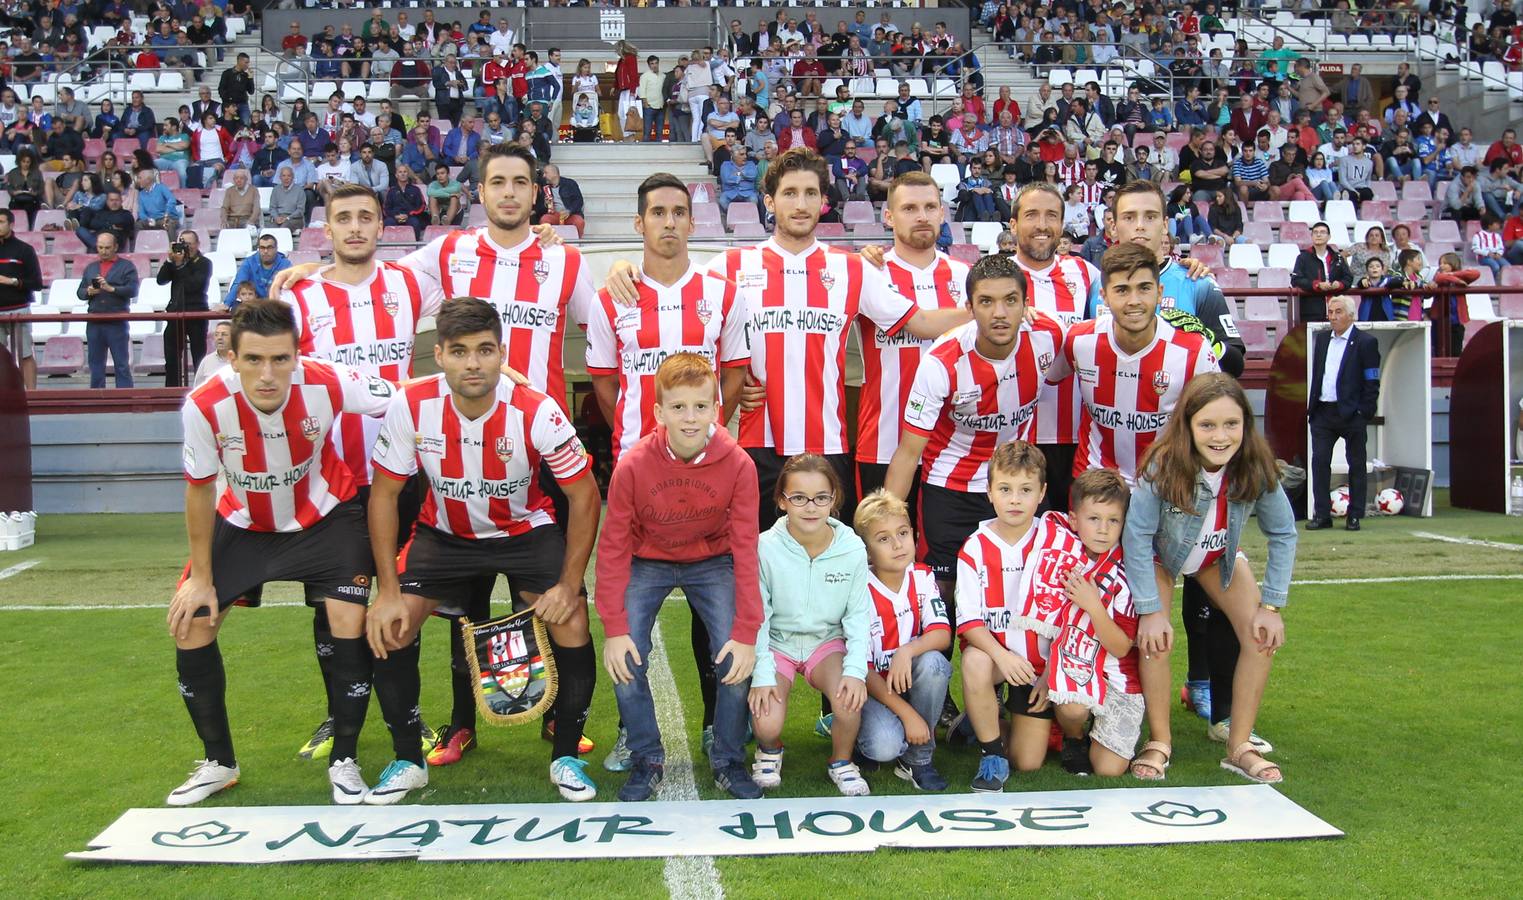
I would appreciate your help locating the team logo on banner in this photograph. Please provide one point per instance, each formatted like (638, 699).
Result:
(504, 448)
(515, 680)
(311, 428)
(541, 270)
(391, 302)
(1161, 382)
(704, 310)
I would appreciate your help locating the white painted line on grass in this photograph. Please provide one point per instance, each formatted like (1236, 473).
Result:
(1471, 542)
(84, 607)
(1400, 578)
(687, 877)
(18, 568)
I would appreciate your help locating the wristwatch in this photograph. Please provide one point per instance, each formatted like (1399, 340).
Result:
(1270, 608)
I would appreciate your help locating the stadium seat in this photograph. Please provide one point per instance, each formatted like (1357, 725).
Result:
(708, 231)
(1340, 212)
(154, 243)
(171, 80)
(1228, 277)
(1509, 305)
(151, 296)
(743, 214)
(1273, 278)
(67, 243)
(872, 232)
(49, 218)
(1083, 77)
(966, 253)
(1384, 190)
(1416, 228)
(1259, 233)
(1495, 75)
(1417, 190)
(858, 212)
(749, 231)
(830, 230)
(64, 354)
(1059, 77)
(1282, 256)
(398, 234)
(706, 214)
(350, 89)
(985, 235)
(1246, 257)
(1255, 335)
(151, 360)
(63, 291)
(1208, 254)
(1444, 231)
(828, 89)
(52, 267)
(1304, 211)
(918, 88)
(315, 240)
(1268, 211)
(1375, 211)
(1512, 276)
(1295, 233)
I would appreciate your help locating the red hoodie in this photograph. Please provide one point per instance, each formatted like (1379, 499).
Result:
(664, 508)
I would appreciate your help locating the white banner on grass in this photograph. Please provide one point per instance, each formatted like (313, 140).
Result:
(274, 834)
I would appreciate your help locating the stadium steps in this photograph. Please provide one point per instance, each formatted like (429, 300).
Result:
(609, 175)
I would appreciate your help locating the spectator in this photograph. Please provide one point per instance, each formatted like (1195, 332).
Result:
(1374, 246)
(20, 278)
(86, 195)
(240, 203)
(653, 99)
(697, 78)
(1401, 159)
(850, 174)
(1354, 172)
(1357, 92)
(1487, 245)
(446, 198)
(106, 122)
(266, 159)
(1377, 306)
(737, 179)
(204, 104)
(1225, 216)
(1506, 149)
(62, 144)
(975, 197)
(236, 86)
(257, 270)
(75, 114)
(138, 121)
(404, 203)
(288, 201)
(108, 285)
(157, 206)
(1463, 198)
(1287, 176)
(111, 219)
(1319, 273)
(1208, 173)
(715, 125)
(1142, 167)
(369, 171)
(796, 135)
(189, 276)
(1496, 184)
(533, 137)
(461, 147)
(1186, 224)
(409, 74)
(559, 201)
(1465, 152)
(211, 149)
(1311, 90)
(450, 89)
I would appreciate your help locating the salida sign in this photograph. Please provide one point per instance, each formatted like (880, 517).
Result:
(714, 828)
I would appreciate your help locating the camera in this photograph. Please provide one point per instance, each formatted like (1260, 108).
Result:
(177, 247)
(98, 282)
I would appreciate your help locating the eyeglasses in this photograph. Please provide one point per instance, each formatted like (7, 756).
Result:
(799, 501)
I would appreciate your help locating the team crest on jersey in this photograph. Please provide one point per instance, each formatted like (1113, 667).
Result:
(705, 311)
(541, 270)
(1161, 382)
(504, 448)
(828, 280)
(311, 428)
(1044, 361)
(391, 302)
(954, 291)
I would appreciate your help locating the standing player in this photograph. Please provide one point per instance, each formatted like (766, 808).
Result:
(480, 441)
(289, 513)
(916, 269)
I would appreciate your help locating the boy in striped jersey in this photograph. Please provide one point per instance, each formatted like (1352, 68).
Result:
(479, 441)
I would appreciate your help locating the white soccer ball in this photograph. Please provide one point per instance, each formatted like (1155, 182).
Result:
(1389, 501)
(1340, 501)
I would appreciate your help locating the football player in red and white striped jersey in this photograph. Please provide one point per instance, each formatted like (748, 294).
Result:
(916, 269)
(1064, 287)
(681, 308)
(1131, 365)
(289, 513)
(479, 442)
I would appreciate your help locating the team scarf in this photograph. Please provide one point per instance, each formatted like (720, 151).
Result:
(1076, 670)
(1055, 552)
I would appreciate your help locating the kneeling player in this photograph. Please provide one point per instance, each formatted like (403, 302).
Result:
(289, 514)
(479, 440)
(907, 674)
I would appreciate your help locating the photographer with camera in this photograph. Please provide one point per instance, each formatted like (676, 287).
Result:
(109, 285)
(188, 275)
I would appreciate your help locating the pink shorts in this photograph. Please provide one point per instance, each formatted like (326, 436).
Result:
(788, 667)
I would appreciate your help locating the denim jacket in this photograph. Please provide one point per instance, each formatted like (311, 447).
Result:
(1157, 529)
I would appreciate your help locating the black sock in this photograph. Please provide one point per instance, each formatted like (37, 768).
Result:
(576, 667)
(995, 747)
(397, 687)
(463, 711)
(708, 682)
(322, 640)
(1195, 611)
(203, 685)
(350, 698)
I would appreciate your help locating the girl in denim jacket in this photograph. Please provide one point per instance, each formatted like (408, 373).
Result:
(1197, 485)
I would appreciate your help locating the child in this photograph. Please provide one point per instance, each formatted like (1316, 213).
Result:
(1376, 307)
(1075, 211)
(995, 652)
(1487, 245)
(1409, 263)
(814, 620)
(1196, 486)
(1092, 666)
(681, 513)
(907, 675)
(1450, 274)
(978, 193)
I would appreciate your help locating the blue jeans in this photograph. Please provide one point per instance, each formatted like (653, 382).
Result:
(1325, 191)
(101, 336)
(653, 120)
(1496, 207)
(710, 588)
(180, 167)
(1494, 263)
(881, 737)
(1413, 169)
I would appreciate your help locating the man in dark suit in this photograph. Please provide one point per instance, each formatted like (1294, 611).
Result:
(1345, 383)
(450, 89)
(1319, 272)
(741, 44)
(559, 201)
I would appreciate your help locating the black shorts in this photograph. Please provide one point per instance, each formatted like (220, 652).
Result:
(871, 476)
(947, 518)
(1060, 475)
(332, 559)
(444, 568)
(409, 503)
(1018, 701)
(769, 465)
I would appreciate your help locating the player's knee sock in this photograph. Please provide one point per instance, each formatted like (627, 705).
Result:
(397, 684)
(1195, 610)
(203, 685)
(463, 711)
(350, 696)
(708, 682)
(322, 640)
(578, 673)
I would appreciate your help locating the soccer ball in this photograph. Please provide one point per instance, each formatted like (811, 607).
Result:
(1340, 501)
(1389, 502)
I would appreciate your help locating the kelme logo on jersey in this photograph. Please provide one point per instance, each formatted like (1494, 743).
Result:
(1161, 382)
(504, 448)
(541, 270)
(311, 428)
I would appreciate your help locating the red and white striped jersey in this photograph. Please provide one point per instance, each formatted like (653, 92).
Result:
(700, 313)
(283, 474)
(369, 326)
(1064, 290)
(989, 572)
(533, 288)
(1094, 193)
(1077, 641)
(1127, 398)
(966, 404)
(1211, 543)
(483, 473)
(1070, 172)
(902, 616)
(889, 363)
(801, 307)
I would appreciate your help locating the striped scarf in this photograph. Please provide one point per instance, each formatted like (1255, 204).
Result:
(1077, 673)
(1055, 552)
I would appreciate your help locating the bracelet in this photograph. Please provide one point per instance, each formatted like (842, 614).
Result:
(1270, 608)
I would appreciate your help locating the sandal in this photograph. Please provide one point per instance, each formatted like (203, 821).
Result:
(1252, 769)
(1162, 749)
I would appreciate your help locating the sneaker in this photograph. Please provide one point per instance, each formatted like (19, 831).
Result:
(453, 744)
(1218, 733)
(570, 775)
(993, 771)
(960, 730)
(924, 776)
(707, 740)
(734, 779)
(617, 759)
(1196, 697)
(583, 747)
(397, 779)
(644, 778)
(1076, 756)
(848, 778)
(208, 778)
(822, 724)
(348, 786)
(321, 741)
(767, 771)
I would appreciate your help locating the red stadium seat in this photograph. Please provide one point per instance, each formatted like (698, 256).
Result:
(742, 213)
(870, 233)
(749, 231)
(1376, 211)
(1261, 233)
(1295, 233)
(67, 243)
(1410, 210)
(1231, 278)
(1512, 276)
(830, 230)
(94, 147)
(141, 262)
(1209, 254)
(1417, 190)
(706, 214)
(436, 231)
(314, 239)
(171, 180)
(858, 212)
(1509, 306)
(1415, 226)
(398, 234)
(1384, 190)
(1268, 211)
(151, 360)
(63, 354)
(52, 267)
(1256, 336)
(967, 253)
(1444, 231)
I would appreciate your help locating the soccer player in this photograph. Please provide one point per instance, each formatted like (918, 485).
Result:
(480, 441)
(975, 389)
(916, 269)
(289, 513)
(1131, 365)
